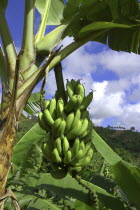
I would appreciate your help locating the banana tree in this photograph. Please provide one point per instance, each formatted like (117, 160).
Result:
(112, 22)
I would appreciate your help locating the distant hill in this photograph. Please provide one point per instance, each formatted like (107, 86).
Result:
(125, 143)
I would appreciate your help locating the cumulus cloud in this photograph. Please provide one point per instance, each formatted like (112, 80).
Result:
(112, 98)
(122, 63)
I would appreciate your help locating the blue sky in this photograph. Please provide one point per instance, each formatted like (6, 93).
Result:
(115, 76)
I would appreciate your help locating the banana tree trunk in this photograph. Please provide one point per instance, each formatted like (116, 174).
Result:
(6, 148)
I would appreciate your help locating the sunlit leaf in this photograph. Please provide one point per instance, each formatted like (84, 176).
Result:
(55, 13)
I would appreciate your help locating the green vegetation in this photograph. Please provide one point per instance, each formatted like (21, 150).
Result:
(125, 143)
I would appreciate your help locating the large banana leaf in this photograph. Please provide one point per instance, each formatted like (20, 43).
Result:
(51, 40)
(34, 135)
(55, 14)
(118, 16)
(126, 175)
(70, 187)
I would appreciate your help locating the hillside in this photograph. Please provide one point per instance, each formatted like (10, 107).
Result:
(126, 143)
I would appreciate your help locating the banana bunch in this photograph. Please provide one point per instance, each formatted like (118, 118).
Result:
(68, 145)
(52, 110)
(77, 98)
(72, 158)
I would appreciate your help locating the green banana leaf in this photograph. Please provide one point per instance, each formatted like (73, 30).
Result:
(31, 202)
(55, 12)
(70, 187)
(51, 40)
(118, 15)
(34, 97)
(101, 25)
(82, 206)
(34, 135)
(126, 175)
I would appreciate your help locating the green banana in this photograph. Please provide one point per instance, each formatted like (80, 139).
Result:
(72, 169)
(52, 108)
(48, 117)
(82, 145)
(56, 155)
(74, 84)
(88, 132)
(80, 90)
(61, 129)
(79, 99)
(55, 126)
(86, 159)
(75, 147)
(77, 157)
(60, 108)
(87, 147)
(74, 132)
(86, 101)
(58, 145)
(46, 104)
(69, 89)
(84, 127)
(76, 118)
(69, 121)
(67, 158)
(42, 122)
(84, 162)
(70, 105)
(46, 151)
(65, 145)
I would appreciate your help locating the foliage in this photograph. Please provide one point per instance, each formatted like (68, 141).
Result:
(112, 22)
(35, 188)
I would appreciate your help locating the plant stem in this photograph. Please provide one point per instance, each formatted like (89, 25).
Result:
(60, 82)
(9, 48)
(39, 74)
(72, 47)
(28, 53)
(93, 196)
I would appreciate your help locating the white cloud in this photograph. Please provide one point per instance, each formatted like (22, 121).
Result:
(130, 116)
(122, 63)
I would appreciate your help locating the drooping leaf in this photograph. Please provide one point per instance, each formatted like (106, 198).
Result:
(128, 178)
(34, 135)
(55, 13)
(101, 25)
(70, 187)
(126, 175)
(109, 155)
(124, 13)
